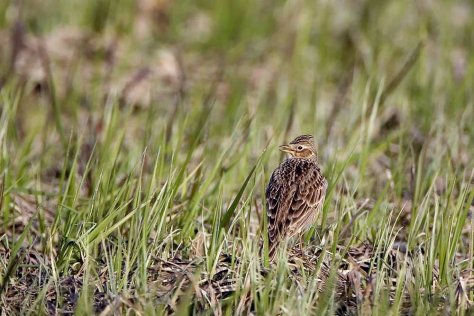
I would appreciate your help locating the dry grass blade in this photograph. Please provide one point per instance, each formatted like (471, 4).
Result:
(398, 78)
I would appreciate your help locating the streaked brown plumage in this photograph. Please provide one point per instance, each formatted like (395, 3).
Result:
(295, 193)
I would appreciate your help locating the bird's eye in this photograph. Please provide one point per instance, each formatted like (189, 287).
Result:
(300, 147)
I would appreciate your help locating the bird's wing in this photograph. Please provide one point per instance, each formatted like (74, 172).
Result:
(279, 194)
(307, 200)
(292, 203)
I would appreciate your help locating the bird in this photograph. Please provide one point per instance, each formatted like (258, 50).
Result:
(295, 193)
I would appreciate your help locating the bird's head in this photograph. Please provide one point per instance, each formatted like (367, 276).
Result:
(301, 147)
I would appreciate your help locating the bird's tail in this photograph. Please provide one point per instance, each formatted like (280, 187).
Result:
(272, 250)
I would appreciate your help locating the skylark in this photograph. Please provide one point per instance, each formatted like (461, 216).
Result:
(295, 193)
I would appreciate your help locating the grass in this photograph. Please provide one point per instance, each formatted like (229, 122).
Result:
(137, 138)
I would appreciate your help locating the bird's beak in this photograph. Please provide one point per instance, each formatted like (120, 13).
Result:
(285, 149)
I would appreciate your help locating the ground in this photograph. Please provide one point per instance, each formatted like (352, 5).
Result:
(137, 138)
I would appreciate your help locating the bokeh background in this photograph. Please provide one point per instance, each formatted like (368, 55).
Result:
(137, 136)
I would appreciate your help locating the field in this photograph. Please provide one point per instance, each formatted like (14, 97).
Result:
(137, 138)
